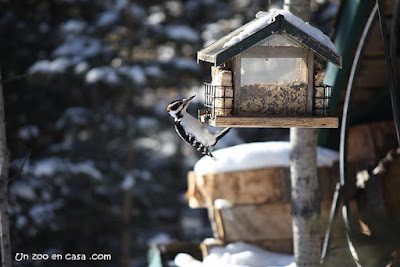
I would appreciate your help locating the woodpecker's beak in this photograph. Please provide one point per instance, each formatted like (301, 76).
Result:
(187, 101)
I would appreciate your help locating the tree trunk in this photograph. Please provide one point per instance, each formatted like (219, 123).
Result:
(299, 8)
(4, 215)
(306, 203)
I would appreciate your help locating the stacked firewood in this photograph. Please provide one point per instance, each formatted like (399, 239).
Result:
(254, 205)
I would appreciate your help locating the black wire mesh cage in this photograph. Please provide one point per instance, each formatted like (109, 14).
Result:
(218, 100)
(322, 96)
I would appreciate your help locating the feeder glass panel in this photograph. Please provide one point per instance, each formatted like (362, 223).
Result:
(273, 86)
(277, 40)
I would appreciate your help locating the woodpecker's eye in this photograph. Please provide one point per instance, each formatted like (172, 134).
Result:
(174, 106)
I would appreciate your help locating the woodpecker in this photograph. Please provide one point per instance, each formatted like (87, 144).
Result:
(192, 130)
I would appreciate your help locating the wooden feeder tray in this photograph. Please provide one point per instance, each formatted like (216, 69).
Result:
(269, 122)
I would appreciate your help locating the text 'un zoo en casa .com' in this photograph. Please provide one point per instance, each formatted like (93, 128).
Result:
(20, 256)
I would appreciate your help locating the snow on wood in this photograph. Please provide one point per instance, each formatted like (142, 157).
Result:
(266, 18)
(222, 204)
(238, 254)
(256, 156)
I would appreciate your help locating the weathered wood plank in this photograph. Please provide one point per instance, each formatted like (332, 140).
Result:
(275, 122)
(193, 195)
(253, 186)
(372, 73)
(260, 222)
(370, 142)
(266, 185)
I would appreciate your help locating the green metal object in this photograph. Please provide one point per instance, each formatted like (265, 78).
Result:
(347, 36)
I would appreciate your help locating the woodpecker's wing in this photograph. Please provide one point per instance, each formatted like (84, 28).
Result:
(192, 140)
(181, 132)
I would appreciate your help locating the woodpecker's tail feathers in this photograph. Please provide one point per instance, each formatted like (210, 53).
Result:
(222, 133)
(212, 156)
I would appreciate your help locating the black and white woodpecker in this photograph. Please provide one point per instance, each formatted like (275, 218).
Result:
(192, 130)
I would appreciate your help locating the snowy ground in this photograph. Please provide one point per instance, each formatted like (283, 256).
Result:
(238, 254)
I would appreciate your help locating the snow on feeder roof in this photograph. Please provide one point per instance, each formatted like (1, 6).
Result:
(266, 24)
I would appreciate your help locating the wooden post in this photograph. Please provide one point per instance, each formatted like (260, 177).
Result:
(4, 215)
(306, 204)
(300, 8)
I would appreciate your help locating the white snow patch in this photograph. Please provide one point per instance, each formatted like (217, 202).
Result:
(74, 26)
(128, 183)
(136, 12)
(220, 204)
(80, 47)
(120, 4)
(160, 238)
(44, 212)
(238, 254)
(185, 260)
(23, 190)
(21, 221)
(28, 132)
(148, 123)
(81, 67)
(162, 143)
(51, 166)
(73, 115)
(135, 74)
(267, 18)
(156, 18)
(256, 156)
(58, 65)
(154, 71)
(107, 18)
(181, 33)
(104, 74)
(165, 52)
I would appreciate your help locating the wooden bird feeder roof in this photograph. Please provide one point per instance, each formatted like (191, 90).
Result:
(218, 53)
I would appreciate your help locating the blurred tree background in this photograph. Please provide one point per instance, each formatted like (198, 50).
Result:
(86, 86)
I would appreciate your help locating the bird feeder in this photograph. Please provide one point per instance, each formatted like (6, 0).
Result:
(264, 75)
